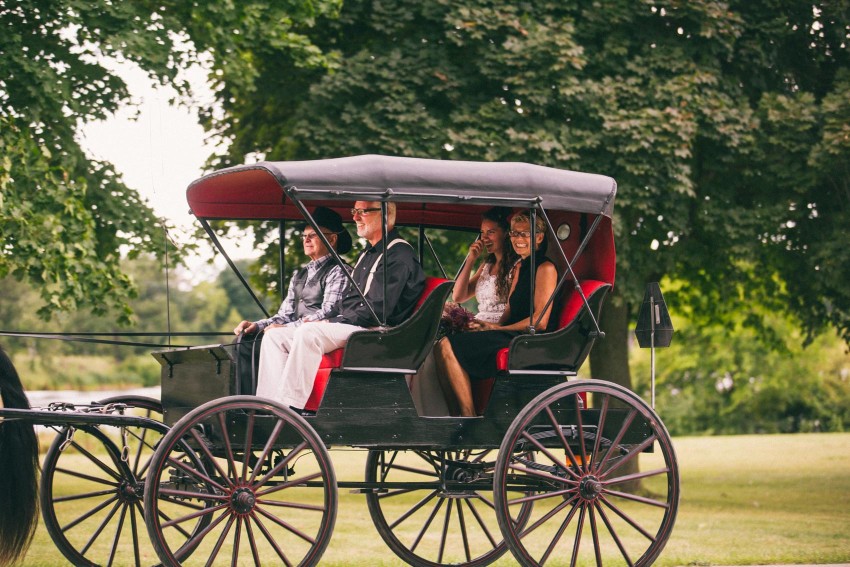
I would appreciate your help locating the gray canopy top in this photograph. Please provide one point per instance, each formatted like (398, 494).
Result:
(257, 190)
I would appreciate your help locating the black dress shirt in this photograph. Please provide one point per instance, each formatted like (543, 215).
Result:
(405, 283)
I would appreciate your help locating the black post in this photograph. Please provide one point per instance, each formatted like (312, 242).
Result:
(282, 259)
(532, 217)
(384, 232)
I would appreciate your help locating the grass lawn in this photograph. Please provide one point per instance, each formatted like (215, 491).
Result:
(744, 500)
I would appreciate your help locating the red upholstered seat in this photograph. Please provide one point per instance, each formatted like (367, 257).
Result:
(570, 309)
(431, 284)
(319, 386)
(333, 359)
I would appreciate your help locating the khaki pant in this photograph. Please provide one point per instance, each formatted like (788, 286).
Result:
(290, 358)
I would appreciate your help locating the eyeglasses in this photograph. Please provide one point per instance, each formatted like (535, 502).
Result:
(363, 212)
(313, 235)
(520, 234)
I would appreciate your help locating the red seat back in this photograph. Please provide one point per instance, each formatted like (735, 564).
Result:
(573, 303)
(570, 308)
(431, 284)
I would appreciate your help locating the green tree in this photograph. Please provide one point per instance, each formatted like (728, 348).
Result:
(65, 218)
(725, 124)
(738, 386)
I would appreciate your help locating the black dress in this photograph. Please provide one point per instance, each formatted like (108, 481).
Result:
(476, 351)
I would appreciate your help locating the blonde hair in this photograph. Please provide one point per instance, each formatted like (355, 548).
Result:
(539, 224)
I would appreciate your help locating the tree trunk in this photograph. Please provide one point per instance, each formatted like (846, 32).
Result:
(609, 360)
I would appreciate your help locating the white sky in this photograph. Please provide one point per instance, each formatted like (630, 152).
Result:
(158, 148)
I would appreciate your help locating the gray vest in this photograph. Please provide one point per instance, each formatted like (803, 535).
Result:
(309, 295)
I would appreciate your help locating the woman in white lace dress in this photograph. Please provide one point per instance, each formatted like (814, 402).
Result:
(491, 281)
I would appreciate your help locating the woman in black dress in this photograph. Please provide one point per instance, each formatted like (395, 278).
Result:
(472, 356)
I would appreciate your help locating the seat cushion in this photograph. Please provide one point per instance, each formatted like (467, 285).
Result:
(333, 359)
(319, 386)
(431, 284)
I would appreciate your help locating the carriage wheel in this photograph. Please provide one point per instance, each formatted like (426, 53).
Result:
(435, 507)
(268, 482)
(592, 505)
(91, 493)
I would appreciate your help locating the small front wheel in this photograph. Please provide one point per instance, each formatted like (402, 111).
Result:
(262, 479)
(435, 508)
(591, 503)
(91, 488)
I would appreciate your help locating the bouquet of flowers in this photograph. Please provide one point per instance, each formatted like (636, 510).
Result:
(456, 319)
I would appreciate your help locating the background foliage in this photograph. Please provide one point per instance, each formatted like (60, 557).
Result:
(725, 124)
(712, 380)
(66, 219)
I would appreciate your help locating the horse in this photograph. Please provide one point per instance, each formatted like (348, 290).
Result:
(18, 469)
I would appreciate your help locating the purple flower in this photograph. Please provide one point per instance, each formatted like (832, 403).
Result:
(456, 319)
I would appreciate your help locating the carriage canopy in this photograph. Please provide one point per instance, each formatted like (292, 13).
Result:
(426, 190)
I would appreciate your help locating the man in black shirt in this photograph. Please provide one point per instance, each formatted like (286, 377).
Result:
(290, 357)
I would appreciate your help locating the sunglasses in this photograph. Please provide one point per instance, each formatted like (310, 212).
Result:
(364, 212)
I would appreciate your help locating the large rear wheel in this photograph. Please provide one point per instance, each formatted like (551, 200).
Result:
(265, 477)
(591, 503)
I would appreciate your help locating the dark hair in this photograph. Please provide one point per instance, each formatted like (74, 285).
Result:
(18, 470)
(501, 216)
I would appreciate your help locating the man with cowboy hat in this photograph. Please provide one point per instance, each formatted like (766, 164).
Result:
(316, 289)
(290, 358)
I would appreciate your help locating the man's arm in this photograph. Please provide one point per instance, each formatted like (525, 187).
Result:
(405, 282)
(287, 308)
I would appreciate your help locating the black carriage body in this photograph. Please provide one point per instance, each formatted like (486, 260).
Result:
(370, 408)
(368, 402)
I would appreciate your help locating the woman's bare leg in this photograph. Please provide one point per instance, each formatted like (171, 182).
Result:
(443, 380)
(453, 375)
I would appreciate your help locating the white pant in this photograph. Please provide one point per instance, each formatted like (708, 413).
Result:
(290, 358)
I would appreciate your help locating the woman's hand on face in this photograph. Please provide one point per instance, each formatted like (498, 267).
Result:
(475, 250)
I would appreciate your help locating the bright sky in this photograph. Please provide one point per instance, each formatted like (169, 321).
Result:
(158, 148)
(159, 151)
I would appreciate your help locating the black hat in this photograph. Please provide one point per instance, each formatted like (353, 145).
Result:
(330, 220)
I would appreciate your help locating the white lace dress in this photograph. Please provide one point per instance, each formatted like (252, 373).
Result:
(490, 307)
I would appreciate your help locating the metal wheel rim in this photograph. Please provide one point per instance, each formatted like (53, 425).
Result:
(458, 520)
(585, 513)
(114, 488)
(248, 515)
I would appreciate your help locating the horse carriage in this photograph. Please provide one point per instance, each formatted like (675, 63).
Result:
(547, 470)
